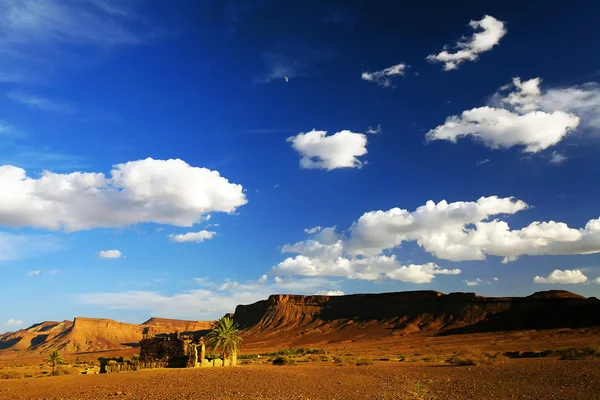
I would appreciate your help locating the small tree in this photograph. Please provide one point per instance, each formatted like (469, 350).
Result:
(225, 337)
(54, 358)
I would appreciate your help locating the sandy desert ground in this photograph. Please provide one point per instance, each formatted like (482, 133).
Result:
(513, 379)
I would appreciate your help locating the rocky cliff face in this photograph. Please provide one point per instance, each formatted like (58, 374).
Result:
(90, 334)
(432, 311)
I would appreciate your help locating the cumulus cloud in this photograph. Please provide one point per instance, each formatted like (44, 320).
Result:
(458, 231)
(212, 300)
(495, 279)
(327, 253)
(580, 100)
(562, 277)
(197, 237)
(40, 103)
(475, 282)
(469, 49)
(597, 280)
(14, 322)
(161, 191)
(513, 119)
(329, 293)
(384, 77)
(36, 272)
(340, 150)
(109, 254)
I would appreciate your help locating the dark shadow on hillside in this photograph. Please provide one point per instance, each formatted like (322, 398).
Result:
(545, 315)
(39, 340)
(9, 343)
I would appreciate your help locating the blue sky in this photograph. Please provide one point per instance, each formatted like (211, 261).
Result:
(178, 159)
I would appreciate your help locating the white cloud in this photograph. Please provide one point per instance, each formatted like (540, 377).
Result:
(469, 49)
(481, 162)
(384, 77)
(326, 254)
(495, 279)
(581, 100)
(197, 237)
(458, 231)
(312, 231)
(34, 273)
(161, 191)
(597, 280)
(263, 279)
(340, 150)
(211, 301)
(475, 282)
(14, 322)
(374, 131)
(40, 103)
(498, 128)
(562, 277)
(14, 247)
(109, 254)
(514, 119)
(53, 272)
(329, 293)
(557, 158)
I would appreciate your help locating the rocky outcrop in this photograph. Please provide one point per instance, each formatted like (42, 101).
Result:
(430, 311)
(84, 335)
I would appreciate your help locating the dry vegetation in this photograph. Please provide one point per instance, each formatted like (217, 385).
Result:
(543, 378)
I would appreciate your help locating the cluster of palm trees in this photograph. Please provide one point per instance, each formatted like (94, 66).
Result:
(225, 339)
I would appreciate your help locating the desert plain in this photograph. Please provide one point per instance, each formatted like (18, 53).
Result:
(385, 346)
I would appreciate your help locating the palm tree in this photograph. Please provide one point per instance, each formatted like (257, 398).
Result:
(54, 358)
(225, 337)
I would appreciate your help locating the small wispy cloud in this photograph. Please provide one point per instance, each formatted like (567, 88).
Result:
(53, 272)
(475, 282)
(481, 162)
(40, 103)
(194, 237)
(14, 322)
(8, 130)
(110, 254)
(374, 131)
(384, 77)
(40, 38)
(557, 158)
(36, 272)
(15, 247)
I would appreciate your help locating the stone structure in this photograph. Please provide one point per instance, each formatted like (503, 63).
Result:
(176, 351)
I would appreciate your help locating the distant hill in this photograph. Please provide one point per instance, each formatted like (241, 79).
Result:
(89, 335)
(321, 320)
(294, 320)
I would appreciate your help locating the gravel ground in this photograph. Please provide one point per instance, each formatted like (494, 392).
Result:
(515, 379)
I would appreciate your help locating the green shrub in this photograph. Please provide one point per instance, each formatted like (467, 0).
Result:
(462, 359)
(11, 375)
(283, 360)
(364, 361)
